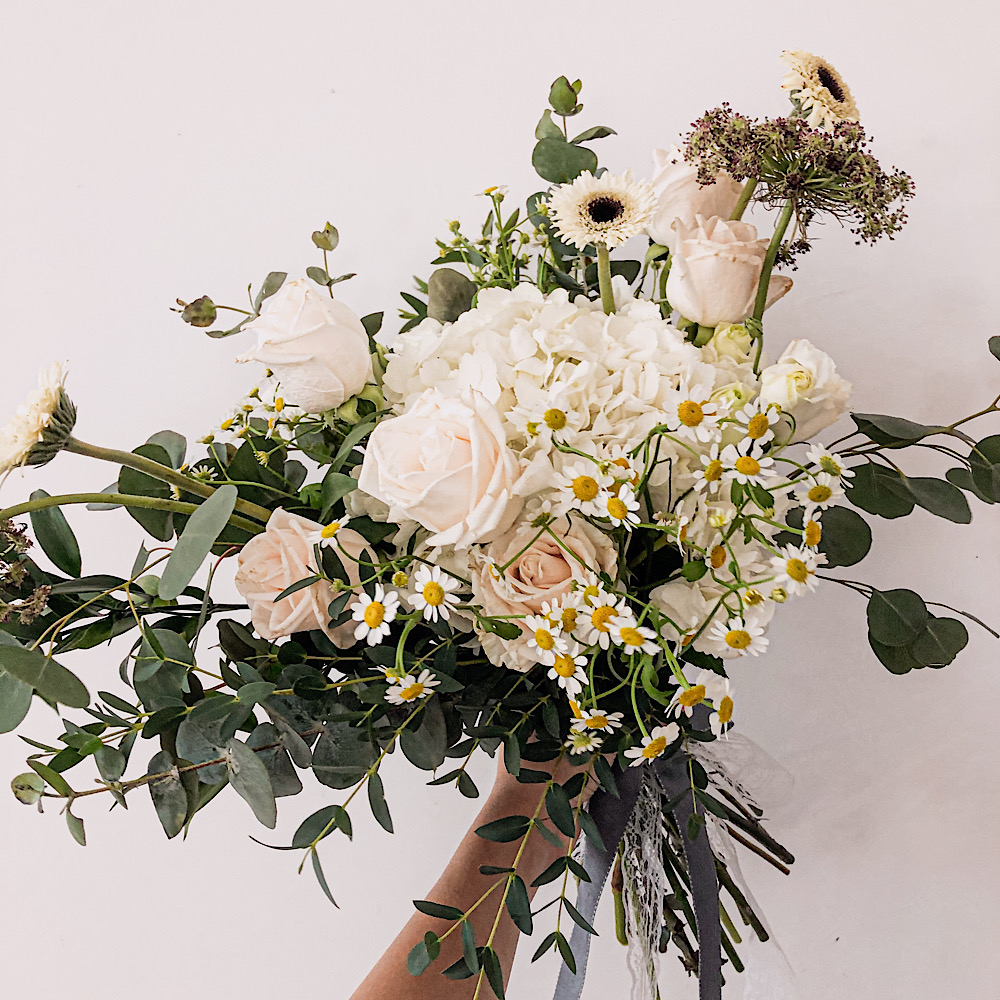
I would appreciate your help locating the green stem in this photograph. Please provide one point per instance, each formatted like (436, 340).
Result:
(125, 499)
(162, 472)
(745, 195)
(765, 274)
(604, 279)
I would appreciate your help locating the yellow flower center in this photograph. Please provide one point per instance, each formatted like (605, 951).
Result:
(544, 639)
(725, 710)
(555, 419)
(433, 593)
(564, 665)
(411, 692)
(226, 424)
(828, 465)
(617, 508)
(597, 722)
(279, 405)
(631, 636)
(400, 579)
(374, 614)
(590, 592)
(717, 557)
(600, 617)
(569, 616)
(797, 570)
(747, 465)
(655, 747)
(820, 493)
(738, 638)
(330, 529)
(758, 426)
(622, 463)
(692, 696)
(713, 471)
(814, 534)
(585, 488)
(690, 413)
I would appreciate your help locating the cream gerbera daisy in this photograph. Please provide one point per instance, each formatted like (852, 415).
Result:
(608, 209)
(737, 637)
(374, 614)
(654, 745)
(42, 425)
(410, 688)
(433, 593)
(595, 719)
(567, 671)
(818, 90)
(795, 569)
(582, 741)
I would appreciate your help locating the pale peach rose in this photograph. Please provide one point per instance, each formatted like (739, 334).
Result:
(715, 269)
(543, 572)
(680, 196)
(317, 348)
(271, 562)
(445, 464)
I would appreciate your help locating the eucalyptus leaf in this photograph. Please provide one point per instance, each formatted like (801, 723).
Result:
(75, 825)
(169, 797)
(159, 523)
(427, 746)
(284, 780)
(518, 904)
(893, 432)
(503, 831)
(15, 700)
(50, 679)
(895, 659)
(871, 489)
(56, 537)
(934, 495)
(896, 617)
(940, 642)
(196, 541)
(249, 778)
(449, 294)
(320, 877)
(174, 444)
(376, 799)
(560, 161)
(342, 756)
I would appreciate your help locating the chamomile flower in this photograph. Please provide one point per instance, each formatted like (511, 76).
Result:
(545, 639)
(409, 688)
(692, 414)
(812, 532)
(42, 425)
(708, 479)
(737, 637)
(829, 462)
(608, 209)
(621, 508)
(581, 486)
(795, 569)
(622, 467)
(329, 531)
(818, 90)
(750, 466)
(503, 585)
(582, 741)
(654, 745)
(567, 671)
(756, 422)
(632, 637)
(563, 614)
(685, 699)
(719, 692)
(374, 614)
(433, 593)
(592, 719)
(595, 626)
(824, 491)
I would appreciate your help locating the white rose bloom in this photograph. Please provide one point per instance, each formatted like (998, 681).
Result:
(716, 267)
(805, 383)
(730, 340)
(317, 348)
(445, 464)
(680, 196)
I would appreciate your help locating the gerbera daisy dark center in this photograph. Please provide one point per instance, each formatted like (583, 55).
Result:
(831, 83)
(604, 209)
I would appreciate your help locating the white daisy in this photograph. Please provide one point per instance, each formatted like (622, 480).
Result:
(709, 478)
(737, 637)
(756, 423)
(633, 638)
(608, 209)
(595, 625)
(747, 467)
(595, 719)
(654, 745)
(40, 428)
(719, 692)
(685, 699)
(795, 569)
(503, 585)
(329, 531)
(829, 462)
(581, 485)
(545, 639)
(567, 671)
(621, 508)
(621, 466)
(563, 614)
(410, 688)
(374, 614)
(581, 741)
(824, 491)
(433, 593)
(812, 532)
(692, 414)
(818, 90)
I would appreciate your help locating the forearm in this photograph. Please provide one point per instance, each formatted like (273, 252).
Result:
(461, 885)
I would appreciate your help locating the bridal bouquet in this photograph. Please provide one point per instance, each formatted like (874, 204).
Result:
(542, 521)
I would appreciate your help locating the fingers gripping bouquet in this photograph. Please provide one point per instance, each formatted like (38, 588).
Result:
(572, 491)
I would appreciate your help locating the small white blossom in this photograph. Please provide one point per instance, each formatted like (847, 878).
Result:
(433, 593)
(409, 688)
(654, 745)
(374, 614)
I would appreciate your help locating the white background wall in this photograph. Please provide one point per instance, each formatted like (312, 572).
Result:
(151, 153)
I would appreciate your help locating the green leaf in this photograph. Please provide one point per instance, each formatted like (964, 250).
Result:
(503, 831)
(994, 343)
(50, 679)
(602, 769)
(578, 918)
(15, 700)
(589, 828)
(56, 537)
(934, 495)
(518, 904)
(871, 490)
(893, 432)
(335, 486)
(376, 799)
(567, 953)
(270, 285)
(110, 763)
(553, 871)
(895, 659)
(560, 162)
(896, 617)
(315, 827)
(320, 877)
(255, 692)
(560, 810)
(511, 754)
(275, 759)
(439, 911)
(491, 963)
(158, 646)
(427, 746)
(418, 960)
(372, 323)
(196, 541)
(846, 538)
(174, 444)
(469, 946)
(75, 825)
(318, 275)
(342, 755)
(250, 779)
(52, 777)
(562, 97)
(159, 523)
(940, 642)
(449, 294)
(546, 945)
(962, 478)
(692, 571)
(594, 132)
(169, 797)
(985, 461)
(547, 128)
(627, 269)
(467, 786)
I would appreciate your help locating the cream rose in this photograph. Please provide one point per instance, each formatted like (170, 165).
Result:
(271, 562)
(805, 383)
(317, 348)
(543, 571)
(715, 269)
(445, 464)
(680, 196)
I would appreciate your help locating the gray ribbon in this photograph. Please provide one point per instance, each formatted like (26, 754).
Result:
(611, 816)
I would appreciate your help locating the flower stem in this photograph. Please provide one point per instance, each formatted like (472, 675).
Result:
(765, 274)
(125, 499)
(162, 472)
(745, 195)
(604, 279)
